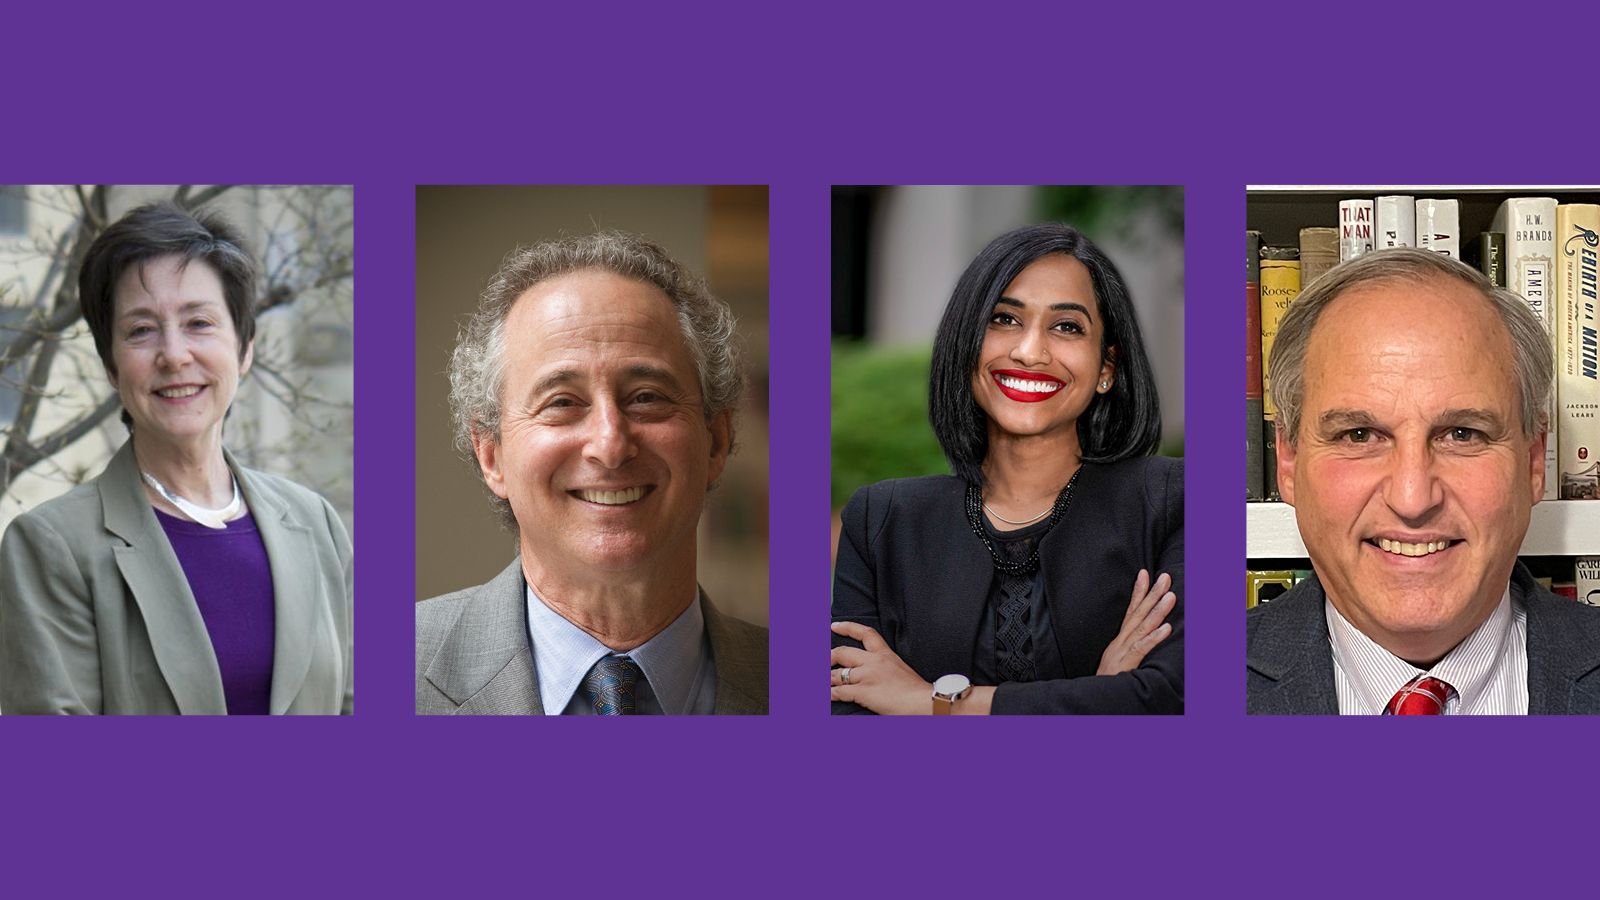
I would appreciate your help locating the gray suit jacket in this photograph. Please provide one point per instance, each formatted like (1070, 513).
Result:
(1289, 669)
(96, 615)
(473, 657)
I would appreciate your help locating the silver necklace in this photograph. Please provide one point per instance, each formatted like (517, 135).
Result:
(990, 510)
(210, 518)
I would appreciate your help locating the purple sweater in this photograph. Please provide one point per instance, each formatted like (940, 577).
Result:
(231, 580)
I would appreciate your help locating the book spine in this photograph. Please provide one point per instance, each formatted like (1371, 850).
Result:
(1254, 439)
(1280, 284)
(1492, 256)
(1265, 586)
(1577, 280)
(1439, 226)
(1319, 252)
(1355, 228)
(1529, 226)
(1587, 579)
(1394, 221)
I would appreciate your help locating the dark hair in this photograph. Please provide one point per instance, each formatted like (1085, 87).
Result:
(163, 229)
(1122, 423)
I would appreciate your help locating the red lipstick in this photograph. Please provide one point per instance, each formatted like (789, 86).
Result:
(1034, 380)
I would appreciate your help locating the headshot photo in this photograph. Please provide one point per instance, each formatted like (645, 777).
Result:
(175, 450)
(1007, 450)
(1411, 398)
(591, 450)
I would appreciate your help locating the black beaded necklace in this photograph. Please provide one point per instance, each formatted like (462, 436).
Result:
(1031, 564)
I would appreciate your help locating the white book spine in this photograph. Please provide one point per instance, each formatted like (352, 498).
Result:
(1578, 350)
(1394, 221)
(1355, 228)
(1587, 579)
(1439, 226)
(1529, 225)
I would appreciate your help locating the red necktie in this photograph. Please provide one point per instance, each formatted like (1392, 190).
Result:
(1423, 695)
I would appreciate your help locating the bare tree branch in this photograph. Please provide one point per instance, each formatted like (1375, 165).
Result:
(15, 349)
(306, 258)
(26, 455)
(202, 198)
(33, 390)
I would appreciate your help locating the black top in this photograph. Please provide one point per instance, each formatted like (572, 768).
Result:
(1016, 637)
(910, 567)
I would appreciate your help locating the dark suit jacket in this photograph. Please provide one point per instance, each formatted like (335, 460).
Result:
(910, 567)
(1289, 666)
(473, 657)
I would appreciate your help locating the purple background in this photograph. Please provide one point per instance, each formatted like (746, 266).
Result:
(798, 803)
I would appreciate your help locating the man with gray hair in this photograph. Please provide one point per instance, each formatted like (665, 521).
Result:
(1411, 435)
(594, 390)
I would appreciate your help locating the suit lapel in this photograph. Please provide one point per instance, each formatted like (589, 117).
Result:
(1070, 552)
(1290, 648)
(1560, 654)
(155, 579)
(291, 550)
(485, 664)
(965, 572)
(741, 666)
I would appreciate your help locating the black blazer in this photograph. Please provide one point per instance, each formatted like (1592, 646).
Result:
(910, 567)
(1289, 668)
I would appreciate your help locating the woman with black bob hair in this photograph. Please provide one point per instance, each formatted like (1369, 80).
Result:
(1006, 588)
(177, 581)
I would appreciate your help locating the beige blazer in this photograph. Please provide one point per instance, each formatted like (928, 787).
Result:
(473, 656)
(96, 615)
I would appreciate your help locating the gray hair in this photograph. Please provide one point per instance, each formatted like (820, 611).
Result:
(477, 367)
(1532, 357)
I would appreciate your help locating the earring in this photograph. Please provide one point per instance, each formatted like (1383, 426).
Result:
(1105, 385)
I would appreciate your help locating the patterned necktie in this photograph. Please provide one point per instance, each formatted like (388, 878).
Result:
(610, 685)
(1423, 695)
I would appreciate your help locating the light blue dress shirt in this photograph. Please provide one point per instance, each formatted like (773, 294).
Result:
(680, 677)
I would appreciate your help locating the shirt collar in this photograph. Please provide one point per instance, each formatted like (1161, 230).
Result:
(1376, 674)
(563, 654)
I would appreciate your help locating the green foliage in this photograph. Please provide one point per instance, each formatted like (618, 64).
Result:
(1100, 210)
(880, 417)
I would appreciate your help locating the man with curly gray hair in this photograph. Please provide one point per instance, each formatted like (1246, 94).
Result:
(594, 392)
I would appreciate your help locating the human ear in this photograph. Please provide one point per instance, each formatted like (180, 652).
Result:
(1536, 470)
(1108, 371)
(487, 450)
(1286, 457)
(721, 428)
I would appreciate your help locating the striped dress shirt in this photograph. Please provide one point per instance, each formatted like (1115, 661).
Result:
(1489, 670)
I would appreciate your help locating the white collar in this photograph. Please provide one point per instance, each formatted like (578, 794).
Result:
(563, 654)
(1375, 674)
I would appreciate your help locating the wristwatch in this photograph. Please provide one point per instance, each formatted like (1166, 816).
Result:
(947, 690)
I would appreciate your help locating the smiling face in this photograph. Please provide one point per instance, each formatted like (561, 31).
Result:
(1041, 361)
(604, 451)
(1411, 478)
(175, 350)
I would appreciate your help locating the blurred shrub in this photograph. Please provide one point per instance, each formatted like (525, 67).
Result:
(880, 417)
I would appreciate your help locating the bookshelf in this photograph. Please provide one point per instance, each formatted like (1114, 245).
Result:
(1559, 528)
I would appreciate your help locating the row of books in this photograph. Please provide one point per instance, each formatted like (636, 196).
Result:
(1577, 578)
(1544, 251)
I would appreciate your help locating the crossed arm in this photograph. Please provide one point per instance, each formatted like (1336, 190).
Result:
(880, 681)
